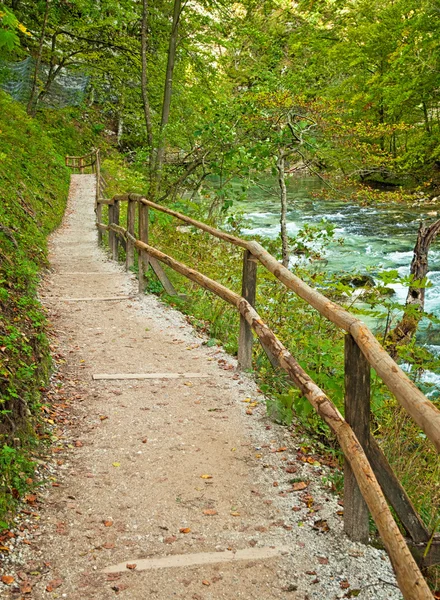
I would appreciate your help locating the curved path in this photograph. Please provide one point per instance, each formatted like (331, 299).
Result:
(174, 485)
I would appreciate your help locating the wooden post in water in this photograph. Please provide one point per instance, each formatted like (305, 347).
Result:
(357, 415)
(248, 291)
(143, 237)
(131, 215)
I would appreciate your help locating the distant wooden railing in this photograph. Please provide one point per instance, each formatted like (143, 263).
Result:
(80, 163)
(369, 478)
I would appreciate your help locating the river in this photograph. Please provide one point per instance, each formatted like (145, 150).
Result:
(376, 238)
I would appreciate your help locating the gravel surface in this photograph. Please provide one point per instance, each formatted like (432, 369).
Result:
(178, 468)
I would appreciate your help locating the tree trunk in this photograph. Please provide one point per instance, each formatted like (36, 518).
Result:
(32, 104)
(415, 299)
(167, 93)
(144, 87)
(283, 198)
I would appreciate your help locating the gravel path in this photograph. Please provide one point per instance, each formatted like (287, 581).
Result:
(168, 488)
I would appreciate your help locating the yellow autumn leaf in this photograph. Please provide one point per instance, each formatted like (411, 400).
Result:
(116, 464)
(23, 29)
(205, 476)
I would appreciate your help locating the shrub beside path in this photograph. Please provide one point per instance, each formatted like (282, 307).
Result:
(175, 487)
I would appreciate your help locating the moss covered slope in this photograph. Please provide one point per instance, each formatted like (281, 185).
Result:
(33, 191)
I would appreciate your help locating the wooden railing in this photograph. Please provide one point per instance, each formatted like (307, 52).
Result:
(80, 163)
(369, 479)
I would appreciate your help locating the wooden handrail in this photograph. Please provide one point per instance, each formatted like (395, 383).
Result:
(80, 162)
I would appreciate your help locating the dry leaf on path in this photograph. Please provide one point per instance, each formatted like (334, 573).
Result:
(26, 588)
(131, 566)
(108, 523)
(53, 585)
(205, 476)
(210, 512)
(184, 530)
(8, 579)
(299, 485)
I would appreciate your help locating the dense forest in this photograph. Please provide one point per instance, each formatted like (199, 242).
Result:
(195, 103)
(342, 87)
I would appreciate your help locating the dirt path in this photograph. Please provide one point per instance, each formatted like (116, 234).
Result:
(182, 479)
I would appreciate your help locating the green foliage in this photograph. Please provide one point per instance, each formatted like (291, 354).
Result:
(9, 28)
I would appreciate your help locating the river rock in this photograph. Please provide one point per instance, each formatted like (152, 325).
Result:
(357, 281)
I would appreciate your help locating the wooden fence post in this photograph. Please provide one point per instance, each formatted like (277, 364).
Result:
(131, 215)
(115, 245)
(248, 291)
(143, 237)
(357, 415)
(81, 163)
(98, 211)
(111, 233)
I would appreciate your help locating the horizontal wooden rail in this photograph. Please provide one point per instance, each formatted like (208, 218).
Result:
(423, 412)
(83, 162)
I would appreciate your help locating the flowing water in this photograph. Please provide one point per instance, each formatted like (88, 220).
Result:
(376, 238)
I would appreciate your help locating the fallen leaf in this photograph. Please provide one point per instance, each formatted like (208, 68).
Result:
(184, 530)
(205, 476)
(206, 582)
(321, 525)
(8, 579)
(344, 585)
(116, 464)
(249, 411)
(299, 485)
(78, 444)
(235, 514)
(144, 441)
(322, 560)
(132, 566)
(108, 523)
(103, 417)
(291, 469)
(53, 585)
(210, 512)
(282, 449)
(26, 588)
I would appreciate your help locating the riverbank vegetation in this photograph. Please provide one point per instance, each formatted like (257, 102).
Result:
(204, 99)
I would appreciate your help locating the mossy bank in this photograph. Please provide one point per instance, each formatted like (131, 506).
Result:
(33, 192)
